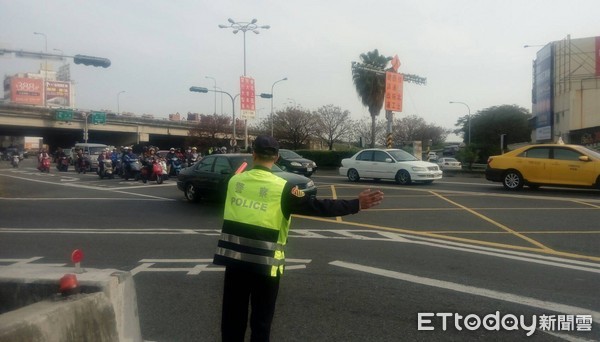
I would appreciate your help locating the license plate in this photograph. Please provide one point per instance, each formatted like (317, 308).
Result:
(309, 169)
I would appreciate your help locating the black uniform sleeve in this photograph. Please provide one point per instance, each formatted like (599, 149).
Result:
(294, 202)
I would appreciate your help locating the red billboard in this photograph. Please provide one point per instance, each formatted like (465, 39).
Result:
(393, 91)
(27, 91)
(58, 93)
(247, 97)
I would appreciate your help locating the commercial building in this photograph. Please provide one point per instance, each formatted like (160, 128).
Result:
(44, 89)
(566, 92)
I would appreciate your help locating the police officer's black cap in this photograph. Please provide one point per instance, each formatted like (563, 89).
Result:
(266, 145)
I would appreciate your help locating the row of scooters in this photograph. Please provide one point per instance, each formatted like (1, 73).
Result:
(147, 170)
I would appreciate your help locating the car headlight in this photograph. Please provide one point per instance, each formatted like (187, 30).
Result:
(418, 168)
(310, 184)
(295, 164)
(314, 164)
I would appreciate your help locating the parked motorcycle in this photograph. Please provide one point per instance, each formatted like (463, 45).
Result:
(106, 170)
(15, 161)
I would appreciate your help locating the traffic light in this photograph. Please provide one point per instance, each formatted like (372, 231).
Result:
(199, 89)
(91, 60)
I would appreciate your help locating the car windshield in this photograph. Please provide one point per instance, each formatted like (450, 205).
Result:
(401, 155)
(592, 153)
(287, 154)
(96, 150)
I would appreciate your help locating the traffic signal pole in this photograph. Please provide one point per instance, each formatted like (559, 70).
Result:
(77, 59)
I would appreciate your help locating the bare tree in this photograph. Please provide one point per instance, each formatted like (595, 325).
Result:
(332, 124)
(293, 127)
(363, 129)
(414, 128)
(210, 130)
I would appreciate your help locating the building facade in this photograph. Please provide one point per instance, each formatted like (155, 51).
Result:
(566, 92)
(44, 89)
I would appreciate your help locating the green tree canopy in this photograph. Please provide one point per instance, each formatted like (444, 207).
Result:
(369, 81)
(488, 124)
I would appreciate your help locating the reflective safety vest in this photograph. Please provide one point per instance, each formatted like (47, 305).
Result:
(254, 230)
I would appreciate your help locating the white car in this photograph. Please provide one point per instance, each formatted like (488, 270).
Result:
(449, 164)
(395, 164)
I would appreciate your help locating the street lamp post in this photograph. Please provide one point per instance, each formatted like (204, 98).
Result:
(118, 101)
(205, 90)
(215, 87)
(244, 27)
(45, 62)
(283, 79)
(468, 119)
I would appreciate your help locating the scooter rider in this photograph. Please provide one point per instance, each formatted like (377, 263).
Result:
(193, 157)
(171, 158)
(104, 155)
(42, 156)
(114, 157)
(128, 158)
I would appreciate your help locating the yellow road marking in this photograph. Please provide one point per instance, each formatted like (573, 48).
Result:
(334, 196)
(453, 238)
(586, 203)
(497, 224)
(439, 234)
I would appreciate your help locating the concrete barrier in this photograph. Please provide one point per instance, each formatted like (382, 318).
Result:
(32, 310)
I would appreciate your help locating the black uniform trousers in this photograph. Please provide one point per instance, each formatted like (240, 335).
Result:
(242, 288)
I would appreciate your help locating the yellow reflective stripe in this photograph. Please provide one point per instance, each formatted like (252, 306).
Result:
(253, 258)
(271, 246)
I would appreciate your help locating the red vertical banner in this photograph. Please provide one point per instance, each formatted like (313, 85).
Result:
(393, 91)
(247, 98)
(597, 56)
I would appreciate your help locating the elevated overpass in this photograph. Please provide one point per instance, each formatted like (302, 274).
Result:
(119, 130)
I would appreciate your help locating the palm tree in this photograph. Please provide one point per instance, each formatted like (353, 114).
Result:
(369, 80)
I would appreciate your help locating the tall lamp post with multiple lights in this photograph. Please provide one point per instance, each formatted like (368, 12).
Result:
(283, 79)
(45, 62)
(244, 27)
(119, 102)
(468, 119)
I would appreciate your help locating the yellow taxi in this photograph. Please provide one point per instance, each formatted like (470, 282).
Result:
(546, 164)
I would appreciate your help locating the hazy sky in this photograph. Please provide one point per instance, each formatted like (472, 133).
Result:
(470, 51)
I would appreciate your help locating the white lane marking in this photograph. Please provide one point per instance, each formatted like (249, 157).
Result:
(471, 290)
(82, 186)
(201, 265)
(20, 262)
(370, 235)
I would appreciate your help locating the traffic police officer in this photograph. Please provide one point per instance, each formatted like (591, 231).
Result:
(255, 229)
